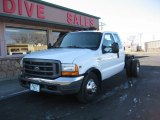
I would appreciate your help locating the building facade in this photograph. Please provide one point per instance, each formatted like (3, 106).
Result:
(152, 46)
(31, 25)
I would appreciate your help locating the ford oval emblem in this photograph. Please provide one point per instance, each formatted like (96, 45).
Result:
(36, 68)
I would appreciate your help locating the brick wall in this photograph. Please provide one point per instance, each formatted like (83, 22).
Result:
(9, 69)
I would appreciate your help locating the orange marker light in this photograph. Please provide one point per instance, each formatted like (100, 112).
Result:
(71, 73)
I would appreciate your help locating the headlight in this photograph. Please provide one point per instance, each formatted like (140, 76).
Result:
(70, 70)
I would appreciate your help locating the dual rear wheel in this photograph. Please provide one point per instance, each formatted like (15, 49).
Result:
(132, 68)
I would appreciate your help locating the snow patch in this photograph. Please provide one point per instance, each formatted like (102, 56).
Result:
(135, 100)
(129, 112)
(50, 117)
(123, 98)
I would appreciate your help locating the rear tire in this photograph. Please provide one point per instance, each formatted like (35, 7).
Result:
(89, 88)
(135, 68)
(129, 68)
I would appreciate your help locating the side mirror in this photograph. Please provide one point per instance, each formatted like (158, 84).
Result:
(115, 47)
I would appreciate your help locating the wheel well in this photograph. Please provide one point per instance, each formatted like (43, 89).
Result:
(97, 72)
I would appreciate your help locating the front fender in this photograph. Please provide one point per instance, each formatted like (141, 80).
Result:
(87, 62)
(88, 66)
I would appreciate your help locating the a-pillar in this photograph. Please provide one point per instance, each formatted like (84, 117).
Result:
(50, 36)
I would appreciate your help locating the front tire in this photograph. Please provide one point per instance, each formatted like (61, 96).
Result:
(89, 88)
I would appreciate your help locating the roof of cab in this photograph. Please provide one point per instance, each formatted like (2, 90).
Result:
(95, 31)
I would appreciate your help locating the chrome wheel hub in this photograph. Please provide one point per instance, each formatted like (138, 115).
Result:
(138, 68)
(91, 86)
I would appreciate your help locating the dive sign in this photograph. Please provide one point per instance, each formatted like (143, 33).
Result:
(11, 6)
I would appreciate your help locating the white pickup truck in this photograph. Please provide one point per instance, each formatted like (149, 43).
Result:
(77, 64)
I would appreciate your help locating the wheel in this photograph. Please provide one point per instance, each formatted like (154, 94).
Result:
(89, 88)
(135, 68)
(128, 68)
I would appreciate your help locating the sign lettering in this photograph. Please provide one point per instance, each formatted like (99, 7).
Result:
(9, 6)
(76, 19)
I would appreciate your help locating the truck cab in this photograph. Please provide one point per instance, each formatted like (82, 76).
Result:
(77, 64)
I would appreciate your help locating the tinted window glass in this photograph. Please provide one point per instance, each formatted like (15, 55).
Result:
(117, 40)
(107, 43)
(89, 40)
(23, 41)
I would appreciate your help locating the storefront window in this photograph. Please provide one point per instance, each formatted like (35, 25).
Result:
(23, 41)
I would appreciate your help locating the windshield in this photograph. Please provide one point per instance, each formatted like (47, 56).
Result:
(89, 40)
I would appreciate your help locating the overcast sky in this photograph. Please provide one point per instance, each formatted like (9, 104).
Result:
(128, 16)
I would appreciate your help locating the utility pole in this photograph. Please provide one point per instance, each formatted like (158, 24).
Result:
(140, 39)
(101, 24)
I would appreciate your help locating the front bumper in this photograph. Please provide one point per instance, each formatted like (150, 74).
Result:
(61, 85)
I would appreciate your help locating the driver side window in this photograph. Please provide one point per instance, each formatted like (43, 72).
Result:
(107, 43)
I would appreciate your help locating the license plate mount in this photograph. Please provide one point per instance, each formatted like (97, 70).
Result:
(35, 87)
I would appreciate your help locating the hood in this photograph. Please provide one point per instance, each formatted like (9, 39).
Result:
(65, 55)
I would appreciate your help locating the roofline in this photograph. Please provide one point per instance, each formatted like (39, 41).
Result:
(113, 32)
(153, 41)
(63, 8)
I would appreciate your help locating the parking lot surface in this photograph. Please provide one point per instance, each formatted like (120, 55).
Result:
(121, 98)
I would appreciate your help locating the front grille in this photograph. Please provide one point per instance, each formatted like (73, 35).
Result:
(41, 68)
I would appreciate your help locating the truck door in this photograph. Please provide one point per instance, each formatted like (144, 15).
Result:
(108, 59)
(120, 61)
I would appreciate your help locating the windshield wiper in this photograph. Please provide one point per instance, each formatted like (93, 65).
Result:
(74, 46)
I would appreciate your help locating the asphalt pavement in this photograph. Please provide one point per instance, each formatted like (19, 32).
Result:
(9, 88)
(122, 98)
